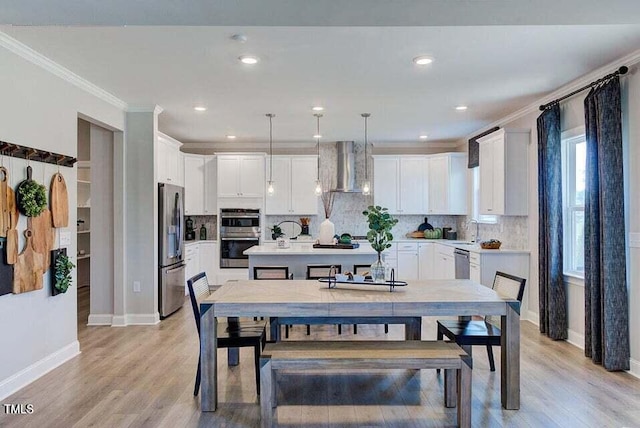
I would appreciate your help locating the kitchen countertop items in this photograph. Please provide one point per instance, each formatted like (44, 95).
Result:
(425, 226)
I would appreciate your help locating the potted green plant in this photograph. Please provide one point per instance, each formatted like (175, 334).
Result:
(62, 272)
(276, 232)
(380, 237)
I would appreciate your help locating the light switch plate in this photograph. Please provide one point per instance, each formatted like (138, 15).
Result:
(65, 238)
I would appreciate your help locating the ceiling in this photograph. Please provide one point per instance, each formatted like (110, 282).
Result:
(348, 69)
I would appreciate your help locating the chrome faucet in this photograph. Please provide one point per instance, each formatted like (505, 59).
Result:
(476, 238)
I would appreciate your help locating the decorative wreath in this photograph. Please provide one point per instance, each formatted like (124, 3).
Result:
(32, 198)
(63, 269)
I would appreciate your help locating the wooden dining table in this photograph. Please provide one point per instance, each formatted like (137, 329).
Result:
(287, 298)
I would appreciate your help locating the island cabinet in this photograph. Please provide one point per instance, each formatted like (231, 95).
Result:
(504, 166)
(241, 176)
(425, 260)
(446, 188)
(294, 180)
(398, 183)
(169, 160)
(200, 182)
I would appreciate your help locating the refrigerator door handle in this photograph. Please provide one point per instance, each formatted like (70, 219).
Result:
(177, 268)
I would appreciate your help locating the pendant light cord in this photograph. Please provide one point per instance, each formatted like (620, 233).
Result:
(270, 116)
(318, 116)
(366, 143)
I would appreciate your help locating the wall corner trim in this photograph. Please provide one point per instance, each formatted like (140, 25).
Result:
(100, 319)
(38, 369)
(64, 73)
(143, 319)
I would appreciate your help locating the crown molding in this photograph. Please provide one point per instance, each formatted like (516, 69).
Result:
(42, 61)
(156, 109)
(628, 60)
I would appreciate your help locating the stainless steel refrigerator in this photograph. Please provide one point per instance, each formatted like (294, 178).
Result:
(171, 281)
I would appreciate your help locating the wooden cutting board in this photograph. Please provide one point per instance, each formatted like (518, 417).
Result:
(29, 269)
(43, 234)
(4, 208)
(12, 233)
(59, 201)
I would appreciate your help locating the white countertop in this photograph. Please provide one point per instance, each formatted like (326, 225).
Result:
(305, 249)
(197, 241)
(464, 245)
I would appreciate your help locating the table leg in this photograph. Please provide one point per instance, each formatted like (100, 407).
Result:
(510, 361)
(233, 354)
(208, 361)
(413, 330)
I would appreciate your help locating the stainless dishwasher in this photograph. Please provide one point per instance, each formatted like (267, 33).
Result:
(462, 263)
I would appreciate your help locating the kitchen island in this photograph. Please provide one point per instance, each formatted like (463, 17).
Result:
(299, 255)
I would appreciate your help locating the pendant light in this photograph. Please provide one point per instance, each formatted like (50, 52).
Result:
(270, 188)
(366, 186)
(318, 190)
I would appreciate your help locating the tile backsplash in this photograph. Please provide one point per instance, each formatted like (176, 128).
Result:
(513, 232)
(210, 223)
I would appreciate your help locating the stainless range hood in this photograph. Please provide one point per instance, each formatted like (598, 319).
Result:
(346, 168)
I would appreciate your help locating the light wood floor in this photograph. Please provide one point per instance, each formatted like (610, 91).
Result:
(143, 377)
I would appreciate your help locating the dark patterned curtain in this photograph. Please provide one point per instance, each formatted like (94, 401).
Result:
(553, 301)
(606, 300)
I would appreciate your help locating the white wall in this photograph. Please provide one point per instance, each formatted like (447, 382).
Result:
(41, 110)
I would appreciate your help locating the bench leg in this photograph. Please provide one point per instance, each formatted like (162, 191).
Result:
(274, 327)
(267, 388)
(413, 329)
(450, 388)
(464, 396)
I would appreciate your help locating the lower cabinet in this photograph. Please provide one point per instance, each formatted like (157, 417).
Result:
(192, 262)
(407, 261)
(443, 262)
(201, 256)
(425, 260)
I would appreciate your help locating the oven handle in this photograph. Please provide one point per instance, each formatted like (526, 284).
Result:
(240, 216)
(240, 239)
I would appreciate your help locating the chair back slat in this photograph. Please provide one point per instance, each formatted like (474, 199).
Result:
(322, 271)
(198, 290)
(270, 272)
(507, 286)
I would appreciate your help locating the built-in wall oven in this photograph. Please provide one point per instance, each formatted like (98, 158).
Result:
(239, 231)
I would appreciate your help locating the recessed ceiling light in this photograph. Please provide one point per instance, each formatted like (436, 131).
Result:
(461, 108)
(424, 137)
(317, 136)
(231, 137)
(317, 108)
(422, 60)
(200, 108)
(248, 59)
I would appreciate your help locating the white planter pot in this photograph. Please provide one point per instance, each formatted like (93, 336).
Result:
(327, 232)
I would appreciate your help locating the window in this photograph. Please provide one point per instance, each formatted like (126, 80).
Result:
(574, 160)
(475, 195)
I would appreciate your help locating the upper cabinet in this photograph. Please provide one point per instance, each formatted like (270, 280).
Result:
(504, 172)
(398, 183)
(241, 176)
(435, 184)
(294, 180)
(446, 184)
(169, 160)
(200, 185)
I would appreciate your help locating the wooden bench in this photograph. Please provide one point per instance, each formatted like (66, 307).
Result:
(348, 355)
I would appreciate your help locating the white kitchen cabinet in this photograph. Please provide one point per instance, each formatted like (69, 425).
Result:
(210, 185)
(169, 160)
(474, 273)
(194, 184)
(425, 260)
(504, 175)
(398, 183)
(444, 262)
(446, 188)
(208, 256)
(192, 262)
(487, 263)
(408, 264)
(294, 182)
(200, 181)
(241, 176)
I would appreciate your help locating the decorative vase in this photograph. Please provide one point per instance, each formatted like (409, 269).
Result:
(378, 270)
(327, 232)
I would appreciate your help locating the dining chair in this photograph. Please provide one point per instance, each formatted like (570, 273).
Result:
(273, 273)
(322, 271)
(486, 332)
(360, 270)
(230, 334)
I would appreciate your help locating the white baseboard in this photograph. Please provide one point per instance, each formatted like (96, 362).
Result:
(576, 339)
(100, 319)
(38, 369)
(533, 317)
(119, 321)
(143, 319)
(635, 368)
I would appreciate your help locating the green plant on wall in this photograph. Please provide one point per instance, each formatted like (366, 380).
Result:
(380, 225)
(63, 268)
(32, 198)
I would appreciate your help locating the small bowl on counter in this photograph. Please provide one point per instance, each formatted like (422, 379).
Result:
(492, 244)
